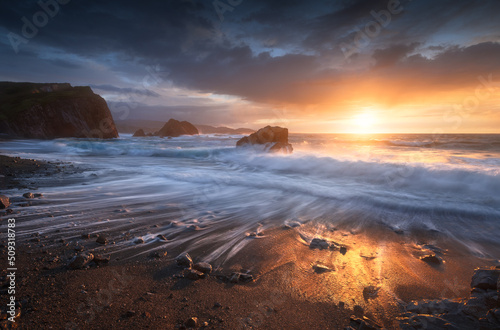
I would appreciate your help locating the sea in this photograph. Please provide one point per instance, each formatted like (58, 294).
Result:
(447, 183)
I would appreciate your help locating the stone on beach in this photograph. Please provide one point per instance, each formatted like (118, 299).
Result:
(4, 202)
(28, 195)
(431, 259)
(81, 260)
(479, 311)
(194, 274)
(158, 254)
(238, 277)
(99, 259)
(203, 267)
(184, 260)
(485, 279)
(318, 268)
(102, 240)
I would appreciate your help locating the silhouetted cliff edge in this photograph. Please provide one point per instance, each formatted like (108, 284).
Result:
(48, 111)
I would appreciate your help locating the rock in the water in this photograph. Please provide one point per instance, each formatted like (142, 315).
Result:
(102, 240)
(174, 128)
(162, 237)
(139, 240)
(184, 260)
(4, 202)
(431, 259)
(28, 195)
(38, 195)
(485, 279)
(85, 236)
(203, 267)
(275, 139)
(81, 260)
(192, 322)
(193, 274)
(139, 133)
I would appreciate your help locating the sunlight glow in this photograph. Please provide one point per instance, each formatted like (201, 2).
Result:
(364, 122)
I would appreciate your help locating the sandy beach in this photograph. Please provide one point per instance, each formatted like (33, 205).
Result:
(299, 279)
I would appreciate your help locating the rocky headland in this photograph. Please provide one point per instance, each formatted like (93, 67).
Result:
(48, 111)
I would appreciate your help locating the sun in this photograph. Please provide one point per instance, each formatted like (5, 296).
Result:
(364, 122)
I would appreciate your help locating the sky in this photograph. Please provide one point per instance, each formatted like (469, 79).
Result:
(338, 66)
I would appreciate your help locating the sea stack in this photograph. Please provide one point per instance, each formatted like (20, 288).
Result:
(174, 128)
(49, 111)
(275, 139)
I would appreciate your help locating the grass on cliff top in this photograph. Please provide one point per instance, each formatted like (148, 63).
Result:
(18, 97)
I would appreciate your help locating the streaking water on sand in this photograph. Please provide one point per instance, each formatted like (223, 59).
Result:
(447, 184)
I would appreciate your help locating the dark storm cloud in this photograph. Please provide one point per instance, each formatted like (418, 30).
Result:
(267, 51)
(110, 88)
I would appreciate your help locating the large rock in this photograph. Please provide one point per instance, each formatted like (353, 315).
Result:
(176, 128)
(48, 111)
(4, 202)
(139, 133)
(485, 279)
(275, 139)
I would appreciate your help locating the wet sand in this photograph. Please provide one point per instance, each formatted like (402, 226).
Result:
(373, 271)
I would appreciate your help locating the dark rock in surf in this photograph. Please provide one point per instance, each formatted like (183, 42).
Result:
(4, 202)
(275, 139)
(184, 260)
(102, 240)
(28, 195)
(81, 260)
(139, 133)
(174, 128)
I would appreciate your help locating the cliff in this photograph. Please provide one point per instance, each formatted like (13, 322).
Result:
(47, 111)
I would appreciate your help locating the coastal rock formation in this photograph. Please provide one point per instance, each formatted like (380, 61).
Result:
(139, 133)
(275, 139)
(176, 128)
(172, 128)
(480, 311)
(47, 111)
